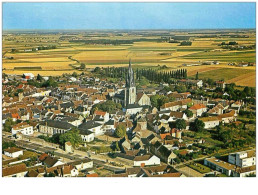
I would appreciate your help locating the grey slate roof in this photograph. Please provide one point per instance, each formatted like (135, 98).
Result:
(57, 124)
(89, 125)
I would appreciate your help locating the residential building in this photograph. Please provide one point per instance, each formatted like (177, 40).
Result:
(13, 152)
(243, 159)
(24, 128)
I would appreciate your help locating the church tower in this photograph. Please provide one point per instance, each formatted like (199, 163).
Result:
(130, 90)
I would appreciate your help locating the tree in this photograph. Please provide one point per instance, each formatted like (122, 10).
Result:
(39, 77)
(117, 146)
(97, 70)
(72, 136)
(188, 113)
(108, 106)
(75, 74)
(180, 124)
(50, 83)
(197, 76)
(247, 91)
(6, 145)
(8, 124)
(120, 130)
(198, 125)
(82, 66)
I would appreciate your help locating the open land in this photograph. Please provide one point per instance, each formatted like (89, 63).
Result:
(145, 48)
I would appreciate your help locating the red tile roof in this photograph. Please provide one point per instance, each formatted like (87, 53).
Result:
(92, 175)
(99, 112)
(43, 156)
(14, 170)
(197, 107)
(164, 135)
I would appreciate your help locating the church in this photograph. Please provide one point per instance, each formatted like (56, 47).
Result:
(129, 98)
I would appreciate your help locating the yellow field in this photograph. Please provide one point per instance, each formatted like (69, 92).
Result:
(143, 53)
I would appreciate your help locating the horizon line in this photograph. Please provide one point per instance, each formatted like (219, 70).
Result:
(253, 28)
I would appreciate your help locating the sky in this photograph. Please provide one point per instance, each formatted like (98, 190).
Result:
(128, 15)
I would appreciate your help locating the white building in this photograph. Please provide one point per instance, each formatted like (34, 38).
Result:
(13, 152)
(133, 109)
(243, 159)
(24, 128)
(210, 122)
(87, 136)
(198, 109)
(146, 160)
(82, 164)
(92, 126)
(28, 75)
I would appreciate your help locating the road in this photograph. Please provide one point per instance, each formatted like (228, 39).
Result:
(62, 154)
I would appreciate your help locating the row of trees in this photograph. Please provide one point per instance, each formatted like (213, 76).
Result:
(150, 74)
(154, 75)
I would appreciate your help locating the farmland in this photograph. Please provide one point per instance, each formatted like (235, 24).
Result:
(55, 53)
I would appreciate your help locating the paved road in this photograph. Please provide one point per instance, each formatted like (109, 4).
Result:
(61, 154)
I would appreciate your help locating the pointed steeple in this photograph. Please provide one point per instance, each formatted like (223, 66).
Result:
(130, 76)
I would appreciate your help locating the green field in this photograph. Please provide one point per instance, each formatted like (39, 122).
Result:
(247, 56)
(224, 73)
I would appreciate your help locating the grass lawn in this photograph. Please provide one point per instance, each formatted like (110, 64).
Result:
(224, 73)
(199, 167)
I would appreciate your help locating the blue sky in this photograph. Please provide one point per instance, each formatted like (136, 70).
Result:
(128, 15)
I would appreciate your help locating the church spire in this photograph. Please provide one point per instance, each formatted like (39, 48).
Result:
(130, 76)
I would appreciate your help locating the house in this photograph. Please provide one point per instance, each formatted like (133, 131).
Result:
(179, 96)
(243, 159)
(69, 171)
(83, 164)
(86, 135)
(101, 115)
(228, 117)
(81, 110)
(178, 115)
(174, 106)
(210, 122)
(142, 99)
(24, 128)
(221, 84)
(28, 76)
(19, 170)
(110, 126)
(176, 133)
(52, 127)
(13, 152)
(33, 173)
(51, 161)
(198, 109)
(162, 152)
(237, 105)
(198, 83)
(146, 160)
(153, 171)
(216, 110)
(92, 126)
